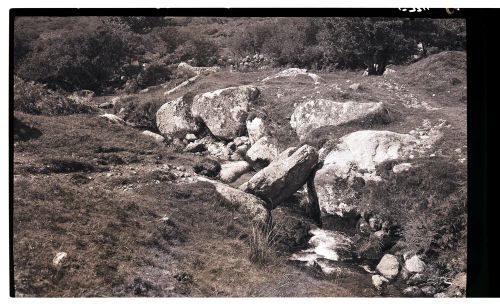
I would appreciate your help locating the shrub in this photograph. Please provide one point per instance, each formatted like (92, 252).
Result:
(32, 97)
(77, 60)
(142, 24)
(167, 38)
(291, 41)
(22, 45)
(250, 40)
(201, 51)
(438, 34)
(139, 113)
(362, 42)
(153, 74)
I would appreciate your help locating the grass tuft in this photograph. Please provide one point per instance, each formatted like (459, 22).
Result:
(262, 243)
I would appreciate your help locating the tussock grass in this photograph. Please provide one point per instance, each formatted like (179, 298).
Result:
(262, 243)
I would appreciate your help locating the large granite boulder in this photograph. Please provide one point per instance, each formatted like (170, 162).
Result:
(225, 111)
(174, 119)
(284, 176)
(354, 162)
(314, 114)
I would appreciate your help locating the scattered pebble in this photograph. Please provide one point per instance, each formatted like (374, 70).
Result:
(164, 218)
(57, 261)
(190, 137)
(378, 281)
(367, 269)
(402, 167)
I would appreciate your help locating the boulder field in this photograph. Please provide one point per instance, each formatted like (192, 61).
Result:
(250, 169)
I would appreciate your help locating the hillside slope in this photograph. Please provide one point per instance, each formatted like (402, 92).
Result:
(134, 221)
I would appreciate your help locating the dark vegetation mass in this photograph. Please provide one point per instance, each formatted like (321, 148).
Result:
(103, 53)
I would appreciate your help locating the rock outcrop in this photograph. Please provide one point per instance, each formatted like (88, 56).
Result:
(293, 73)
(402, 167)
(314, 114)
(174, 119)
(195, 147)
(284, 176)
(225, 111)
(412, 291)
(354, 161)
(219, 150)
(189, 70)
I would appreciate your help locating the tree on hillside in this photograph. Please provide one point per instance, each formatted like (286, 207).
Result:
(365, 42)
(441, 34)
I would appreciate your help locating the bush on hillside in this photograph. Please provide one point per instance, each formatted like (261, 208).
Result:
(199, 50)
(250, 40)
(22, 45)
(347, 43)
(75, 61)
(353, 43)
(34, 98)
(142, 24)
(290, 41)
(438, 34)
(96, 57)
(294, 43)
(139, 113)
(153, 74)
